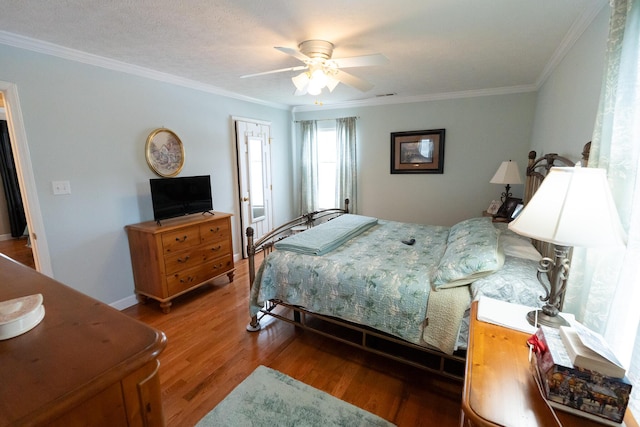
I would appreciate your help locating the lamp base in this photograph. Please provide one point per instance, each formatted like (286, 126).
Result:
(545, 319)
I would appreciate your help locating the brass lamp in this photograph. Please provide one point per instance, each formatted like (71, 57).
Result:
(572, 207)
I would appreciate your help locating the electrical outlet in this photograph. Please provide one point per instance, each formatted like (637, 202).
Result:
(61, 187)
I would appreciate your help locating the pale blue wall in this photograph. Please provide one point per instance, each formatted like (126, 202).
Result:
(481, 132)
(568, 100)
(89, 125)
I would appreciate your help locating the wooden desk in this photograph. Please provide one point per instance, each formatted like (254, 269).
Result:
(84, 364)
(499, 389)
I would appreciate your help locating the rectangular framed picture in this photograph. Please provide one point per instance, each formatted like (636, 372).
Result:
(419, 151)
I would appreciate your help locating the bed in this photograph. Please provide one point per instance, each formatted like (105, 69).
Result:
(397, 289)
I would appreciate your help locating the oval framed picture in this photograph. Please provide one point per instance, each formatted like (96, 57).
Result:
(164, 152)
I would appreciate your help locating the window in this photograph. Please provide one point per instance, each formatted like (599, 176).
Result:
(327, 164)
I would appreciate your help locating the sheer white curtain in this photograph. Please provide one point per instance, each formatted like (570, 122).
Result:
(346, 170)
(309, 167)
(604, 286)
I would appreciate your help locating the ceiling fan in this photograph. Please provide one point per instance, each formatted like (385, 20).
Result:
(321, 71)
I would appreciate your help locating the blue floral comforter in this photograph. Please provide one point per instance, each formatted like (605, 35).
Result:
(374, 279)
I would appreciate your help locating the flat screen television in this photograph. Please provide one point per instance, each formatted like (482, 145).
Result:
(173, 197)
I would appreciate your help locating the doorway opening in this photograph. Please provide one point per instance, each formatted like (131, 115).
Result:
(26, 180)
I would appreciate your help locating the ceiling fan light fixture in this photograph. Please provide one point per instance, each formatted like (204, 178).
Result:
(323, 71)
(313, 81)
(332, 83)
(319, 78)
(301, 81)
(314, 90)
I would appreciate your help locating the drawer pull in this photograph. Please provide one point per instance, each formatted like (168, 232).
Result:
(214, 230)
(216, 248)
(184, 239)
(187, 280)
(184, 260)
(221, 265)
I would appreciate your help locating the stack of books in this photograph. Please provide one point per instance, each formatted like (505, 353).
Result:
(577, 372)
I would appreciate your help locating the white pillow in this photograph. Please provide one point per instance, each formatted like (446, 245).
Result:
(519, 248)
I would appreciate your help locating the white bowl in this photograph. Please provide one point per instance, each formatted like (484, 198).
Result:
(20, 315)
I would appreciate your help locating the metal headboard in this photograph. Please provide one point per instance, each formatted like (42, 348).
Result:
(537, 170)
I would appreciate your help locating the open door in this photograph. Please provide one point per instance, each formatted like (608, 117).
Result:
(253, 146)
(26, 179)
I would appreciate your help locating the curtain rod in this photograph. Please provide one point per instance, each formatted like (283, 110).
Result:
(324, 120)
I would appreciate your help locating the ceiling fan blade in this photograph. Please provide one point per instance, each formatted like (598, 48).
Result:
(353, 81)
(298, 68)
(361, 61)
(294, 52)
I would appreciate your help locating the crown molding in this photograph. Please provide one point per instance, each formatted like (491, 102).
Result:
(51, 49)
(575, 31)
(418, 98)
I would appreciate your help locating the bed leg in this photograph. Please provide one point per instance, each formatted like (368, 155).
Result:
(254, 325)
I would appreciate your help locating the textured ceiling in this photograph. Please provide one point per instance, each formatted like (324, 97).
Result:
(434, 47)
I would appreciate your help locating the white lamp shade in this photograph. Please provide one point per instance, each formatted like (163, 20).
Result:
(301, 81)
(507, 173)
(332, 83)
(572, 207)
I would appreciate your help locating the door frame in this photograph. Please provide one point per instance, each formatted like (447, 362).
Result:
(26, 178)
(245, 129)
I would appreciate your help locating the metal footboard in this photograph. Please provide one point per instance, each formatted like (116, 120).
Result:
(432, 360)
(265, 243)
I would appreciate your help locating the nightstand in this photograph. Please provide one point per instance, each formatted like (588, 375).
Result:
(499, 389)
(485, 213)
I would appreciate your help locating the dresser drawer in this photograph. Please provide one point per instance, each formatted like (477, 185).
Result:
(186, 279)
(215, 231)
(183, 260)
(219, 266)
(215, 250)
(175, 241)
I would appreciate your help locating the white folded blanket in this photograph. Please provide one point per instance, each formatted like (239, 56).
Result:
(327, 236)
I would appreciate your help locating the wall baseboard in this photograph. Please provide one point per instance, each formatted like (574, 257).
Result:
(125, 303)
(5, 237)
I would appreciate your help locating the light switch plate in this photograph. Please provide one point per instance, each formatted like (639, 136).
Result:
(61, 187)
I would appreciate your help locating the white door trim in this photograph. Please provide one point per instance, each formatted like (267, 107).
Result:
(26, 179)
(245, 130)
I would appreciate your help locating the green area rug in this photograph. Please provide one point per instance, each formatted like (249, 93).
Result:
(270, 398)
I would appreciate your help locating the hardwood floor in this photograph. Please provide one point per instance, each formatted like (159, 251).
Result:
(18, 250)
(209, 352)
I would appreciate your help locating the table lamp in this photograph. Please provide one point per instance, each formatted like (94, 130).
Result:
(508, 173)
(572, 207)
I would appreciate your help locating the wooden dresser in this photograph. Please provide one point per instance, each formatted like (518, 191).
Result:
(84, 364)
(179, 255)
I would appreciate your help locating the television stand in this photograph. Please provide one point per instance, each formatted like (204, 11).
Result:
(179, 256)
